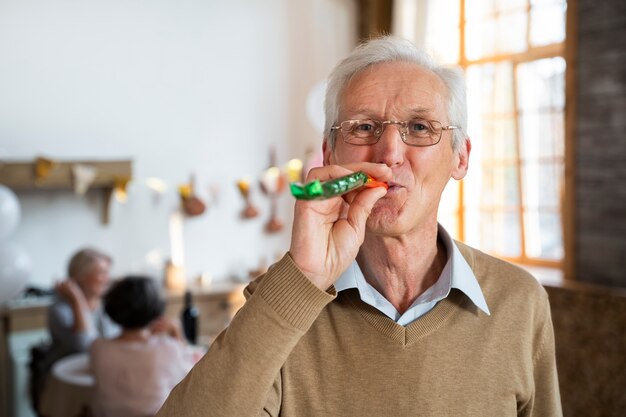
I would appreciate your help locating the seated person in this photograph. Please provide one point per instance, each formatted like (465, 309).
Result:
(135, 372)
(76, 318)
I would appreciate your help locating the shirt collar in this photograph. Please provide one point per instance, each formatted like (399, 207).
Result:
(455, 274)
(463, 277)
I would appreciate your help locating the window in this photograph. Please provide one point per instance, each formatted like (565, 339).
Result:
(510, 204)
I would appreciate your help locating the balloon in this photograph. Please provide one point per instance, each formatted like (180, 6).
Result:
(15, 267)
(9, 212)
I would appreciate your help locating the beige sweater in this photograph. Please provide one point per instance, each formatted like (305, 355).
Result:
(295, 351)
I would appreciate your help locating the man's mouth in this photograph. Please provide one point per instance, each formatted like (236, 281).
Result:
(393, 186)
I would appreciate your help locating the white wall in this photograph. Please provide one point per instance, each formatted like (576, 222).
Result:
(178, 86)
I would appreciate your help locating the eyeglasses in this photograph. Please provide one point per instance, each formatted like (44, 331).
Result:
(414, 132)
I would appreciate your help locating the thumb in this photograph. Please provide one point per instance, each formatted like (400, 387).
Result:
(361, 207)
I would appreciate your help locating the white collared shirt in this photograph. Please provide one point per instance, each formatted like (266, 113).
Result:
(455, 274)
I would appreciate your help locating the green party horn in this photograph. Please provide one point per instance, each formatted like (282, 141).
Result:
(322, 190)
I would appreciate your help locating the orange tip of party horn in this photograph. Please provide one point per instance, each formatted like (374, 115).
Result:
(372, 182)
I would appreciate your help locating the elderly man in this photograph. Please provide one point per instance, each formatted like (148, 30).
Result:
(375, 310)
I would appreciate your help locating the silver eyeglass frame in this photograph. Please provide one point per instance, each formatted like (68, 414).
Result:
(380, 128)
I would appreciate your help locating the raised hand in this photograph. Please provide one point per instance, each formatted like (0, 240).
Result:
(166, 326)
(70, 290)
(327, 234)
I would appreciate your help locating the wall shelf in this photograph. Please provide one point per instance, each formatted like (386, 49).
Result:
(19, 175)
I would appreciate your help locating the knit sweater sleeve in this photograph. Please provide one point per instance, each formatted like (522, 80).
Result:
(237, 376)
(546, 400)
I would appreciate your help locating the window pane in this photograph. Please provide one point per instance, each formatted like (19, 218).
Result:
(444, 44)
(442, 26)
(448, 214)
(479, 89)
(547, 24)
(472, 227)
(480, 38)
(541, 84)
(542, 185)
(510, 4)
(477, 9)
(541, 135)
(541, 100)
(490, 88)
(503, 83)
(498, 138)
(511, 32)
(499, 233)
(543, 235)
(545, 2)
(500, 187)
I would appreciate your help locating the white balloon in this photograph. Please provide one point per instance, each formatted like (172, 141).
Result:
(15, 268)
(9, 212)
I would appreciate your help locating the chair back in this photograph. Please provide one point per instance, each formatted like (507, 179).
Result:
(39, 368)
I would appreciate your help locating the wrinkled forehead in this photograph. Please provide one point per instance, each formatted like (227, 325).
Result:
(398, 86)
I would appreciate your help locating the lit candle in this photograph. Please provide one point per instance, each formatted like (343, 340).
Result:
(175, 271)
(176, 239)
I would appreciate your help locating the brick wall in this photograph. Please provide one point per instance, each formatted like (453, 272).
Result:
(601, 143)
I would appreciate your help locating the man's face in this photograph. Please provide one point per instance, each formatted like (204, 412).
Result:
(400, 91)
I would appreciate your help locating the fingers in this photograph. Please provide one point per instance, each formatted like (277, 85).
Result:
(167, 326)
(361, 206)
(379, 171)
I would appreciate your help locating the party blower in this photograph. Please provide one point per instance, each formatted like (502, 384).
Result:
(322, 190)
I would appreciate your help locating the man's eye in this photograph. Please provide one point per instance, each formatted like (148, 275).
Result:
(365, 126)
(418, 126)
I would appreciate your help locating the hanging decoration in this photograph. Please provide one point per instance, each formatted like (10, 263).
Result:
(293, 170)
(83, 176)
(192, 205)
(43, 167)
(273, 183)
(157, 185)
(120, 188)
(249, 211)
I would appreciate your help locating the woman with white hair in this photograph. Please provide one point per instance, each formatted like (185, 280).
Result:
(76, 318)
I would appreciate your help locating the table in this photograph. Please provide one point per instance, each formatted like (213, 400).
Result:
(69, 388)
(217, 304)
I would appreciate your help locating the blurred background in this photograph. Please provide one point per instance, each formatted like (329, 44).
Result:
(164, 134)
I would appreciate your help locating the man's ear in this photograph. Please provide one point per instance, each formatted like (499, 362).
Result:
(459, 171)
(327, 150)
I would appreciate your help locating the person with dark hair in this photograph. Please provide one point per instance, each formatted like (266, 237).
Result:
(135, 371)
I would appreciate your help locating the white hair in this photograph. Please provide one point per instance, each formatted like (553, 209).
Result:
(391, 49)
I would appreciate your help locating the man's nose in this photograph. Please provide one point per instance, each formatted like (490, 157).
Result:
(389, 149)
(398, 125)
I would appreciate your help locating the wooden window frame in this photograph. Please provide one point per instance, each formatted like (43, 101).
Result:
(566, 50)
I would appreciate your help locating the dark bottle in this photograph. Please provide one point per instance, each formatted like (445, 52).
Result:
(189, 318)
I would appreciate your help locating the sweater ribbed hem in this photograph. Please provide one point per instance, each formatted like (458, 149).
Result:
(292, 295)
